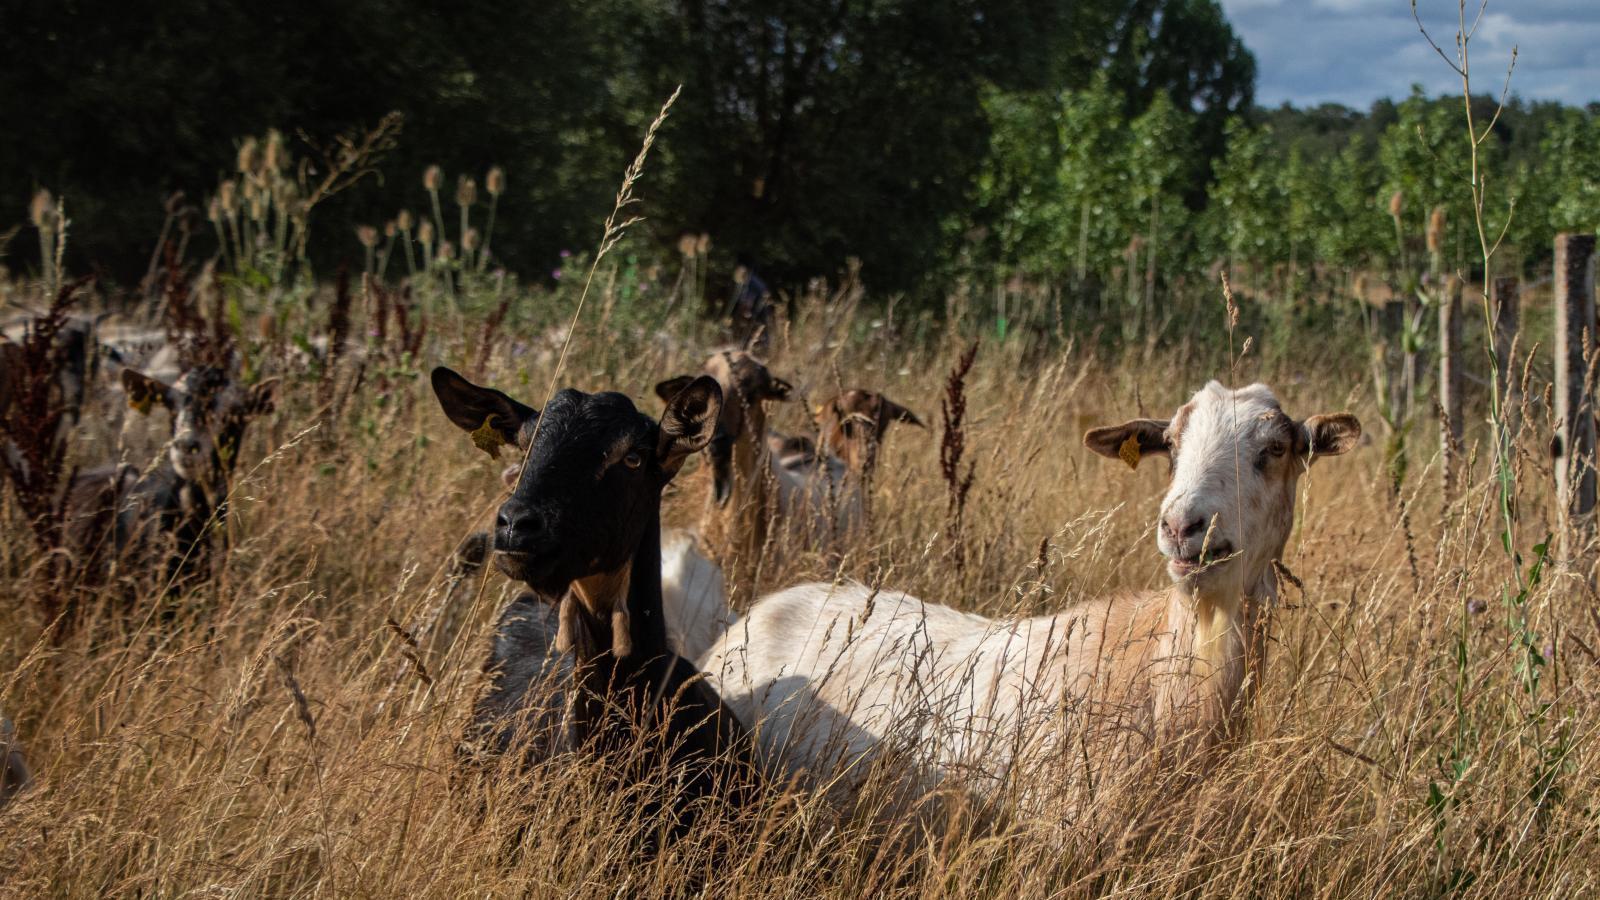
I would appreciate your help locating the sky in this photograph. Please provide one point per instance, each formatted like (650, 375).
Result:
(1357, 51)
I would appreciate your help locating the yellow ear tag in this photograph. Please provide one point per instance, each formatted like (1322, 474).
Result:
(141, 403)
(1129, 451)
(487, 438)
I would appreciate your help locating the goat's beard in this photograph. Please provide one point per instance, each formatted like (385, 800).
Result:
(542, 576)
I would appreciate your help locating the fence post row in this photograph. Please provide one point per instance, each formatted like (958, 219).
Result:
(1575, 427)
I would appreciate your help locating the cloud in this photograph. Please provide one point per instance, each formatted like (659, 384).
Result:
(1357, 51)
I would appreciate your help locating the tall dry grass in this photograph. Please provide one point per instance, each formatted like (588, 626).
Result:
(280, 737)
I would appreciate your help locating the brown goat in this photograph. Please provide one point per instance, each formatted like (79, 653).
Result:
(742, 502)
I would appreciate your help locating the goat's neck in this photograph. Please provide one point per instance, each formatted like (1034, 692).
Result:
(618, 634)
(741, 527)
(1213, 656)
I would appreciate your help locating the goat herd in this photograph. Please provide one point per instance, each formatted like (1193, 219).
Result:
(627, 637)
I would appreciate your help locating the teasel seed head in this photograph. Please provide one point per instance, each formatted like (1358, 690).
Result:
(273, 157)
(249, 161)
(42, 210)
(228, 196)
(1435, 232)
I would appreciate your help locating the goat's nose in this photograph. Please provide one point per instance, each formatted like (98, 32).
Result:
(518, 521)
(189, 445)
(1179, 527)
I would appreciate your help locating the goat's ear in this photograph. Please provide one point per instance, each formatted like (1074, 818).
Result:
(1131, 441)
(263, 397)
(144, 391)
(777, 389)
(688, 423)
(672, 387)
(894, 412)
(491, 417)
(1329, 435)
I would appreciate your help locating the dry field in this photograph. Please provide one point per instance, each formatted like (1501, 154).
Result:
(288, 729)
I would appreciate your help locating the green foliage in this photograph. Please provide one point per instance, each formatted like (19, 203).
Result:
(1044, 136)
(1571, 148)
(1246, 199)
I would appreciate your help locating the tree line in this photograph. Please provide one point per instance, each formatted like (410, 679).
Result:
(925, 138)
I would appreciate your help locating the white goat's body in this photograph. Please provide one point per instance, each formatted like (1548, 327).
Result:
(818, 499)
(694, 598)
(832, 676)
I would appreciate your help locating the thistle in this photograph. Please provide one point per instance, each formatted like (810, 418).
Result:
(495, 183)
(274, 158)
(1435, 237)
(466, 195)
(403, 222)
(432, 178)
(425, 238)
(390, 229)
(368, 236)
(46, 217)
(249, 159)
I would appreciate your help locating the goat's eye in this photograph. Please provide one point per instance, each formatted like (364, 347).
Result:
(1269, 453)
(633, 460)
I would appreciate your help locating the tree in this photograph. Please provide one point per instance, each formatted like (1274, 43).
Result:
(1186, 51)
(1247, 199)
(811, 132)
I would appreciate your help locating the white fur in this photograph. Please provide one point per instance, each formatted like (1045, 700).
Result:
(835, 676)
(817, 497)
(693, 597)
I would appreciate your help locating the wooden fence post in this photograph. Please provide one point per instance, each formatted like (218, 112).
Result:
(1507, 307)
(1450, 430)
(1575, 429)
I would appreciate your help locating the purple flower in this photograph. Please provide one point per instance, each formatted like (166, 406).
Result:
(556, 274)
(565, 254)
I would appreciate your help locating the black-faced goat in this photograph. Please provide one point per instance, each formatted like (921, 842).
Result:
(160, 521)
(582, 529)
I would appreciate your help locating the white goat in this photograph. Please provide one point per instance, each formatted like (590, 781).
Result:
(832, 676)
